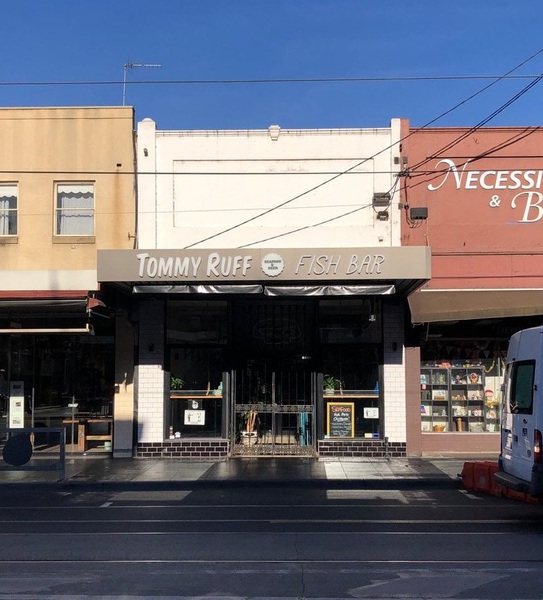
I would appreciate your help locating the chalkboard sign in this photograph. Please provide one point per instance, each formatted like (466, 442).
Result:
(340, 419)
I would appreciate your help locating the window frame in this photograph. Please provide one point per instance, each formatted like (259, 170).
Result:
(513, 388)
(58, 211)
(15, 211)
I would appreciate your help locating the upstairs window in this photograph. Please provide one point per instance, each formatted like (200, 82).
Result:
(75, 209)
(8, 209)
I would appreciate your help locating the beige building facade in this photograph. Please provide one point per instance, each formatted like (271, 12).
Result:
(67, 189)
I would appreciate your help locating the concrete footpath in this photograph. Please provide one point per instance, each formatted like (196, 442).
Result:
(137, 473)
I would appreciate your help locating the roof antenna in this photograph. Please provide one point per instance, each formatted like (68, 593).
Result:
(132, 65)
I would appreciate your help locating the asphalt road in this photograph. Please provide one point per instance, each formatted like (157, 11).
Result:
(264, 542)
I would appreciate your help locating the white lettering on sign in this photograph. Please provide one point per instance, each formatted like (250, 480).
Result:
(532, 206)
(468, 179)
(321, 264)
(369, 264)
(167, 267)
(529, 201)
(227, 266)
(219, 266)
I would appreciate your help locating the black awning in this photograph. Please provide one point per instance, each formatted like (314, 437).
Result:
(47, 315)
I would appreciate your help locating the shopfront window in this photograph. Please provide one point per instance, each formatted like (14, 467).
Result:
(350, 333)
(196, 333)
(61, 376)
(4, 381)
(196, 395)
(461, 395)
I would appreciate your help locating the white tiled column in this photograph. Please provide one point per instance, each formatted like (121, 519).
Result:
(151, 377)
(394, 374)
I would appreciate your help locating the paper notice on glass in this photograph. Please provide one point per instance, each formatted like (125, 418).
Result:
(371, 412)
(195, 417)
(16, 405)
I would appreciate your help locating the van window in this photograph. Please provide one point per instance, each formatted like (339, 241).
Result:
(522, 386)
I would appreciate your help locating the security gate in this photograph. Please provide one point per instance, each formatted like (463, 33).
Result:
(272, 411)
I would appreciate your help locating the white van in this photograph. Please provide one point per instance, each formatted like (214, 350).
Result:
(521, 459)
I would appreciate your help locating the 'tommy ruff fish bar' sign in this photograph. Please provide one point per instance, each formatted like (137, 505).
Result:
(263, 264)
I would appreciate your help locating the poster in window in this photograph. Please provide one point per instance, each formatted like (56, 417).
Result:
(16, 405)
(195, 417)
(340, 419)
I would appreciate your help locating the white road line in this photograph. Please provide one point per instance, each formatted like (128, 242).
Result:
(289, 521)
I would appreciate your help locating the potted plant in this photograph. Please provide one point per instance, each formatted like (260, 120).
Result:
(331, 384)
(176, 383)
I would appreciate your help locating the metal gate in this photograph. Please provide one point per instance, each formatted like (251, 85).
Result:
(272, 411)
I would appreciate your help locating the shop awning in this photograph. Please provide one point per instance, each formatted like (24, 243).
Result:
(431, 306)
(44, 315)
(283, 290)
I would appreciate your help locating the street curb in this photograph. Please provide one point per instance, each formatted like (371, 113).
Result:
(445, 483)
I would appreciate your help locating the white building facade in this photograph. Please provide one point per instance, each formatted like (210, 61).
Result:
(269, 287)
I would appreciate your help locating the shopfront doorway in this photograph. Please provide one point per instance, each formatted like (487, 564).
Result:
(273, 382)
(273, 410)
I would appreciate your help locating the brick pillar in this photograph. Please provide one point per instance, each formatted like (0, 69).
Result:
(394, 373)
(151, 376)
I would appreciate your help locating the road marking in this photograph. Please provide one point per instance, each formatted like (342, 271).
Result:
(290, 521)
(245, 561)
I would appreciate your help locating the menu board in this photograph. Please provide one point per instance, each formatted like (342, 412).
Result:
(340, 419)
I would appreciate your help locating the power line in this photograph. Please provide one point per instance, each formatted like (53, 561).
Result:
(391, 191)
(286, 80)
(482, 123)
(412, 172)
(390, 146)
(273, 237)
(470, 160)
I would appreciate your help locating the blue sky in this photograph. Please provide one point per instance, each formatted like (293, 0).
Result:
(193, 40)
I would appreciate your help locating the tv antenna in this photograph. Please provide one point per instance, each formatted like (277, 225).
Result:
(133, 65)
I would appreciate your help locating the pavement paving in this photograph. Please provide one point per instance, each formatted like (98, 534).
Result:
(104, 472)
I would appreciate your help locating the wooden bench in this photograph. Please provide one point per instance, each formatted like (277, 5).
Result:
(84, 425)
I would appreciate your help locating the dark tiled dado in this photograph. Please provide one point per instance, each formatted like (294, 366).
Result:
(212, 448)
(361, 449)
(219, 449)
